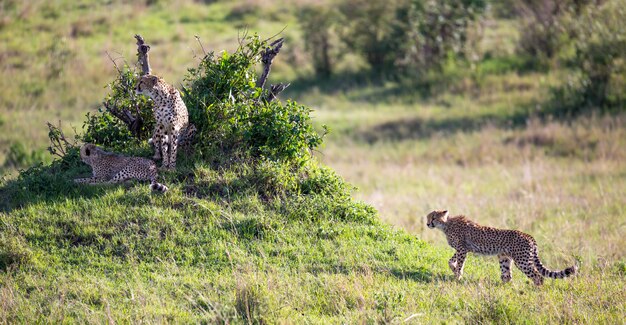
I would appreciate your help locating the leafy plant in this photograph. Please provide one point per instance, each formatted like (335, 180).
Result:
(108, 130)
(235, 120)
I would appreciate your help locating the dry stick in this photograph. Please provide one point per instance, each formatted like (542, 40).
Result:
(133, 122)
(266, 57)
(275, 90)
(58, 143)
(142, 55)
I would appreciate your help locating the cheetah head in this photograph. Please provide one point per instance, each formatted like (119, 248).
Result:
(147, 84)
(437, 218)
(89, 153)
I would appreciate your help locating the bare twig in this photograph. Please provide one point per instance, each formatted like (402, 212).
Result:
(202, 47)
(142, 55)
(59, 144)
(266, 57)
(275, 90)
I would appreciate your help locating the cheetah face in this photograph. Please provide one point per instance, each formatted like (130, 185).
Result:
(89, 153)
(437, 217)
(146, 85)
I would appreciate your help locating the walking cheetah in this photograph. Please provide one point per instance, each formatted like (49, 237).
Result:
(510, 245)
(170, 114)
(112, 168)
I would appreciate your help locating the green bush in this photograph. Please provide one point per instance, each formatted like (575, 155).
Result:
(439, 30)
(544, 26)
(235, 120)
(19, 156)
(107, 130)
(318, 24)
(599, 60)
(601, 53)
(394, 35)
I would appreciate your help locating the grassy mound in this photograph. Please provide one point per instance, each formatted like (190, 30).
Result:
(253, 230)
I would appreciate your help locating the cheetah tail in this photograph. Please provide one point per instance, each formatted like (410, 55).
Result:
(158, 187)
(554, 274)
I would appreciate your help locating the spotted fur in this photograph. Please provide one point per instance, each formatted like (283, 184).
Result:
(184, 139)
(510, 246)
(170, 114)
(108, 167)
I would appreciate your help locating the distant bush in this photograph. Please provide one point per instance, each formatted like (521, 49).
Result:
(601, 52)
(318, 27)
(599, 61)
(394, 35)
(441, 29)
(19, 156)
(374, 29)
(544, 25)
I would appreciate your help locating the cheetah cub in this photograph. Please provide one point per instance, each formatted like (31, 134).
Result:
(510, 245)
(170, 114)
(112, 168)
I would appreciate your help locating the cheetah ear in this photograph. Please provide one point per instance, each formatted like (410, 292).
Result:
(445, 214)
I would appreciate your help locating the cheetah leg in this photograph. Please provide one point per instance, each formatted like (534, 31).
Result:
(165, 151)
(90, 180)
(457, 262)
(174, 147)
(505, 267)
(157, 138)
(120, 177)
(529, 269)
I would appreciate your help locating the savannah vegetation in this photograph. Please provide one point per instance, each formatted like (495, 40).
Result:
(509, 112)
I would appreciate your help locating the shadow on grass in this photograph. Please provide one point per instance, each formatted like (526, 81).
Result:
(419, 128)
(380, 87)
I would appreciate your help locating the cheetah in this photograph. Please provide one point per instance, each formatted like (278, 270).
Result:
(510, 245)
(112, 168)
(184, 139)
(170, 114)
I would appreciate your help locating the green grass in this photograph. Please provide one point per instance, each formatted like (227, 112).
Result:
(225, 246)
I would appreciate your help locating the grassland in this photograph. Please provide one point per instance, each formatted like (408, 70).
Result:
(476, 145)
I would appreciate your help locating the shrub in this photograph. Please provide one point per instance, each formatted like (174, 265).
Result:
(544, 29)
(440, 29)
(374, 30)
(599, 61)
(19, 156)
(394, 35)
(318, 24)
(107, 130)
(601, 52)
(235, 120)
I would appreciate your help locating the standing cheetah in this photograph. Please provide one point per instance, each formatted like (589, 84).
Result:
(109, 167)
(510, 245)
(170, 114)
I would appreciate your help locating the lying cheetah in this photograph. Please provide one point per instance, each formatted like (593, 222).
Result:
(111, 168)
(510, 245)
(170, 114)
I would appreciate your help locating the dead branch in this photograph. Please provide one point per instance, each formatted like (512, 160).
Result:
(133, 122)
(59, 144)
(266, 57)
(275, 90)
(142, 55)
